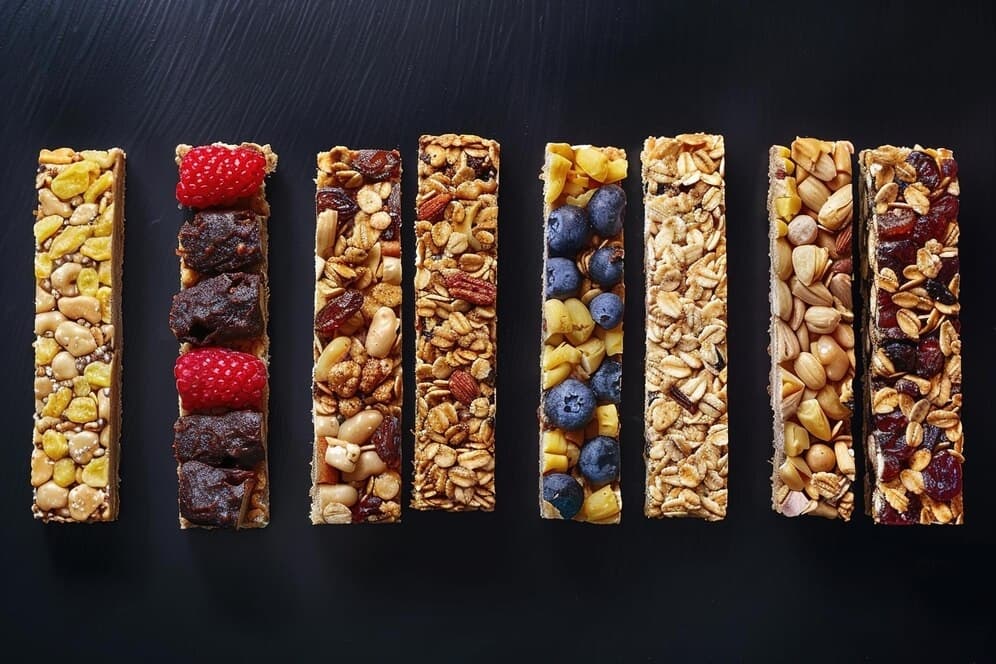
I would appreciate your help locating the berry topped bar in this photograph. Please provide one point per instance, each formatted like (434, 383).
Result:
(357, 379)
(810, 231)
(685, 418)
(219, 316)
(911, 275)
(456, 290)
(582, 340)
(79, 242)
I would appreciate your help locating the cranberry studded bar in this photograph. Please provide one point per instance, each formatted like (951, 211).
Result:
(357, 379)
(79, 242)
(219, 317)
(685, 421)
(582, 339)
(911, 275)
(456, 289)
(810, 231)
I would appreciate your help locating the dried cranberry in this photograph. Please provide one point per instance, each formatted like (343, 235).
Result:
(926, 168)
(367, 507)
(939, 292)
(931, 436)
(888, 515)
(895, 255)
(886, 310)
(929, 227)
(334, 198)
(949, 268)
(946, 207)
(929, 358)
(949, 168)
(892, 421)
(890, 467)
(376, 165)
(896, 224)
(894, 444)
(337, 311)
(907, 387)
(393, 232)
(902, 355)
(386, 440)
(942, 478)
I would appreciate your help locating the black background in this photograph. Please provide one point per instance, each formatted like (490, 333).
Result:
(148, 74)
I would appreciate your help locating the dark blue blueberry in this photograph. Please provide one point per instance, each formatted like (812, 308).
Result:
(564, 493)
(606, 266)
(599, 460)
(606, 209)
(569, 405)
(606, 310)
(562, 278)
(606, 382)
(567, 231)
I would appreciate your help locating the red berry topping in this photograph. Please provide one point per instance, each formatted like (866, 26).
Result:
(213, 175)
(210, 377)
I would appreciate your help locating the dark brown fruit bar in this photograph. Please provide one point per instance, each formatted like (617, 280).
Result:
(913, 430)
(357, 338)
(79, 246)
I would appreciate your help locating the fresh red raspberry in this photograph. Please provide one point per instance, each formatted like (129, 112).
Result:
(213, 175)
(219, 378)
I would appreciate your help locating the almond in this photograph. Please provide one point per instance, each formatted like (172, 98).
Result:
(463, 387)
(431, 208)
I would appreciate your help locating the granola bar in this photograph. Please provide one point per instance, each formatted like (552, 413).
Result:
(357, 376)
(685, 421)
(79, 246)
(911, 274)
(582, 340)
(220, 318)
(456, 275)
(810, 232)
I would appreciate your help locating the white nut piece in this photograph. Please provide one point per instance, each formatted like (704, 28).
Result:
(368, 464)
(48, 322)
(83, 306)
(84, 214)
(83, 501)
(83, 445)
(342, 455)
(64, 366)
(75, 338)
(50, 496)
(337, 493)
(326, 425)
(64, 278)
(360, 427)
(392, 270)
(382, 333)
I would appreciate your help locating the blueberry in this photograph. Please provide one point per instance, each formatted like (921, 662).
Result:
(606, 382)
(606, 310)
(569, 405)
(606, 266)
(562, 278)
(564, 493)
(606, 209)
(599, 460)
(567, 230)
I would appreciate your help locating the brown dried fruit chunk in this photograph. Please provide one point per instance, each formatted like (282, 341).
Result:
(386, 440)
(473, 290)
(334, 198)
(431, 208)
(376, 165)
(463, 387)
(337, 311)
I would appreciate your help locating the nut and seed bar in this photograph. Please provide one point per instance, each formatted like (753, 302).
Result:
(357, 376)
(221, 452)
(685, 421)
(911, 275)
(79, 246)
(810, 213)
(584, 210)
(456, 287)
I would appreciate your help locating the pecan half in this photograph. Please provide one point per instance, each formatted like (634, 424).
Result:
(473, 290)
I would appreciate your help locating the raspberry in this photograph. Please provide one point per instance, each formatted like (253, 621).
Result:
(210, 377)
(213, 175)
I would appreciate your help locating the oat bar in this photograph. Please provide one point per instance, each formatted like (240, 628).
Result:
(357, 378)
(456, 275)
(220, 319)
(810, 232)
(685, 417)
(911, 276)
(584, 208)
(79, 246)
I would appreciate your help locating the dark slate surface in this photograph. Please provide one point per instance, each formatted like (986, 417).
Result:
(303, 76)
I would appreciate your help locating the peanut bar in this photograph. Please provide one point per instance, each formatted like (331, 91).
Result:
(911, 275)
(456, 278)
(356, 383)
(79, 246)
(582, 338)
(685, 421)
(810, 232)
